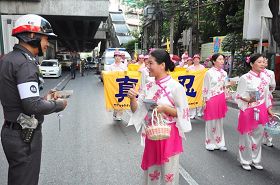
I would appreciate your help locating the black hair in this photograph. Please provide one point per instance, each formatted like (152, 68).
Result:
(215, 56)
(255, 57)
(163, 56)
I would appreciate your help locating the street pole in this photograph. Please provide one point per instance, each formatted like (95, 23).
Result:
(171, 29)
(191, 20)
(197, 29)
(157, 25)
(261, 36)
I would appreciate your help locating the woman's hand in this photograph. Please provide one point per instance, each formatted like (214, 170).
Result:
(249, 100)
(132, 93)
(270, 112)
(165, 109)
(161, 108)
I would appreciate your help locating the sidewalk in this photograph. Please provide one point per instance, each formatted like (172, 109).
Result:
(276, 102)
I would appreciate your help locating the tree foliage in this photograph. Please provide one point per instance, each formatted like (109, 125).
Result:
(130, 46)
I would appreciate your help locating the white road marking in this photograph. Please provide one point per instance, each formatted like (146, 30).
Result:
(61, 81)
(187, 176)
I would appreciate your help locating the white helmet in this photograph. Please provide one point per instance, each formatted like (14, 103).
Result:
(32, 23)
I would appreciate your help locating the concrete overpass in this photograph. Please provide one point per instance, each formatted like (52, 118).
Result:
(77, 23)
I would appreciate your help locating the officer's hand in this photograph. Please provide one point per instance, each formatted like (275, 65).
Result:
(63, 101)
(52, 95)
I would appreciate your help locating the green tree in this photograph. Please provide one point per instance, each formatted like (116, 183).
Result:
(234, 42)
(130, 46)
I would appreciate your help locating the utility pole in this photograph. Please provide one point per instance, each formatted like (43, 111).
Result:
(172, 29)
(157, 10)
(197, 29)
(191, 20)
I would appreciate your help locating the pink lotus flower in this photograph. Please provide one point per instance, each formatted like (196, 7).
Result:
(218, 139)
(169, 177)
(242, 148)
(254, 147)
(214, 130)
(155, 175)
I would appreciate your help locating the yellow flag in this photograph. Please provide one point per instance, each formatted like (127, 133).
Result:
(116, 85)
(135, 55)
(193, 82)
(133, 67)
(167, 45)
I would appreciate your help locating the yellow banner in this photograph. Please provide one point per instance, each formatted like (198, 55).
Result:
(133, 67)
(192, 82)
(116, 85)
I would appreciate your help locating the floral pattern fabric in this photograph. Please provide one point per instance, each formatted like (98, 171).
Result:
(214, 83)
(252, 82)
(166, 91)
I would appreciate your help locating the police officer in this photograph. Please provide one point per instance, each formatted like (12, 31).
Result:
(19, 82)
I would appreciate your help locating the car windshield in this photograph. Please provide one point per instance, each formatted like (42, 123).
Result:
(109, 61)
(49, 64)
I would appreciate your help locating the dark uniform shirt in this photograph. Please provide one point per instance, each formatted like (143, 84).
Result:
(19, 92)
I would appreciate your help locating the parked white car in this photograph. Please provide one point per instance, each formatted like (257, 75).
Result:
(50, 68)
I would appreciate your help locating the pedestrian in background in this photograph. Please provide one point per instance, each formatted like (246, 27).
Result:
(253, 101)
(215, 104)
(19, 95)
(160, 160)
(73, 65)
(117, 66)
(141, 62)
(145, 78)
(197, 111)
(267, 139)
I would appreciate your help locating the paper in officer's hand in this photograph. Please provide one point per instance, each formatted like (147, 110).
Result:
(64, 94)
(150, 104)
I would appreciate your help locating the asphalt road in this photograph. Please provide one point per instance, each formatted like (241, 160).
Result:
(91, 149)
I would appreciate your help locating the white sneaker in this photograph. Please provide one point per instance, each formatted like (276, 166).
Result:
(246, 167)
(118, 119)
(257, 166)
(223, 148)
(199, 114)
(210, 148)
(192, 117)
(269, 144)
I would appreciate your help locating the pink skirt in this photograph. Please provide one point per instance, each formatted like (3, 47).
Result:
(215, 108)
(246, 121)
(158, 152)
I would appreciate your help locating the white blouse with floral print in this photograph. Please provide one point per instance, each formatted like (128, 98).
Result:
(270, 74)
(117, 67)
(251, 82)
(214, 82)
(166, 91)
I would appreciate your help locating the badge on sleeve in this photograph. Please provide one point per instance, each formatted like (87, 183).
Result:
(28, 90)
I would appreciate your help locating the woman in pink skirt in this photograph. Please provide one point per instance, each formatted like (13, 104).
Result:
(160, 160)
(254, 104)
(215, 108)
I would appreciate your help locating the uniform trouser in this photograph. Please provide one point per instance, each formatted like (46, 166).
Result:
(250, 146)
(73, 73)
(117, 113)
(165, 174)
(195, 112)
(214, 133)
(24, 158)
(267, 138)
